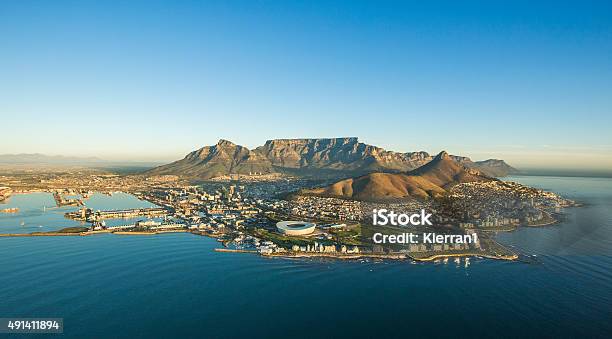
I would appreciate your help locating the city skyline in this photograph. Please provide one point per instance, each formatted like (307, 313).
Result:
(151, 81)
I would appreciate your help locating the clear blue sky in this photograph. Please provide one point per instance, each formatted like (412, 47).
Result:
(530, 82)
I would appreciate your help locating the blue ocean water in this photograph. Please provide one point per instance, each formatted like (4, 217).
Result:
(175, 285)
(38, 212)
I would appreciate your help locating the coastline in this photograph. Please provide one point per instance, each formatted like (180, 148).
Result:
(549, 221)
(54, 234)
(338, 256)
(459, 255)
(341, 256)
(42, 234)
(397, 256)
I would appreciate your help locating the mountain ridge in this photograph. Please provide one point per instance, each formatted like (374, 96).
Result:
(342, 157)
(431, 180)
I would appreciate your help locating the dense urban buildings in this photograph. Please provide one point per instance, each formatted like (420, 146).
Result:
(260, 212)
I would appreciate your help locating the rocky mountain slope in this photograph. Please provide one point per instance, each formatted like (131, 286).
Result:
(342, 154)
(341, 157)
(211, 161)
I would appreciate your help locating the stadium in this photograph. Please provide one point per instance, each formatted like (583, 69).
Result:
(295, 227)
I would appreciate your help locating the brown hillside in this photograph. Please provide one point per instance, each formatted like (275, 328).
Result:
(430, 180)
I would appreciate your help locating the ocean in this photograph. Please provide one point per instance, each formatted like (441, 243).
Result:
(175, 285)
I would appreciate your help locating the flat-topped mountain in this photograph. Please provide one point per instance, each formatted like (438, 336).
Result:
(341, 157)
(428, 181)
(342, 154)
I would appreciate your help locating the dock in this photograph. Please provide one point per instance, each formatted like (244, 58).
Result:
(89, 215)
(229, 250)
(60, 201)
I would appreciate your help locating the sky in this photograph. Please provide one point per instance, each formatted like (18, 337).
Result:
(525, 81)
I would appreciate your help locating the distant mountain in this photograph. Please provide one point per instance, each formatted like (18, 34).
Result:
(495, 168)
(428, 181)
(37, 158)
(490, 167)
(337, 157)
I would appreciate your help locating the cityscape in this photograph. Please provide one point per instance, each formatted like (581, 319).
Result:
(306, 169)
(248, 213)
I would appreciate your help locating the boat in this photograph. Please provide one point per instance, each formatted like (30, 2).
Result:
(467, 262)
(445, 260)
(458, 261)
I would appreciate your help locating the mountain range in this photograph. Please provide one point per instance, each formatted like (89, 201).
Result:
(341, 157)
(428, 181)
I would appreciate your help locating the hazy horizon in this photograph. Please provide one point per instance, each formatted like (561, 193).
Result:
(513, 158)
(147, 81)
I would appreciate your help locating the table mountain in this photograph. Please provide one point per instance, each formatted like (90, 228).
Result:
(338, 154)
(336, 157)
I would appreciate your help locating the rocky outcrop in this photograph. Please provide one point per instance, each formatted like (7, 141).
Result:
(221, 159)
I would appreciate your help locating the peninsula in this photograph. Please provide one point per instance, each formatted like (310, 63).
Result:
(306, 198)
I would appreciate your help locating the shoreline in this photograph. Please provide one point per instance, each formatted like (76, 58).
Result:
(397, 256)
(550, 221)
(84, 234)
(340, 256)
(459, 255)
(45, 234)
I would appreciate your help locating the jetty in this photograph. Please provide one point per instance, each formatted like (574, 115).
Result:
(60, 201)
(86, 214)
(230, 250)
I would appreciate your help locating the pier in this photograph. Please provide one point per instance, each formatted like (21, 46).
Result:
(149, 226)
(229, 250)
(60, 201)
(86, 214)
(131, 213)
